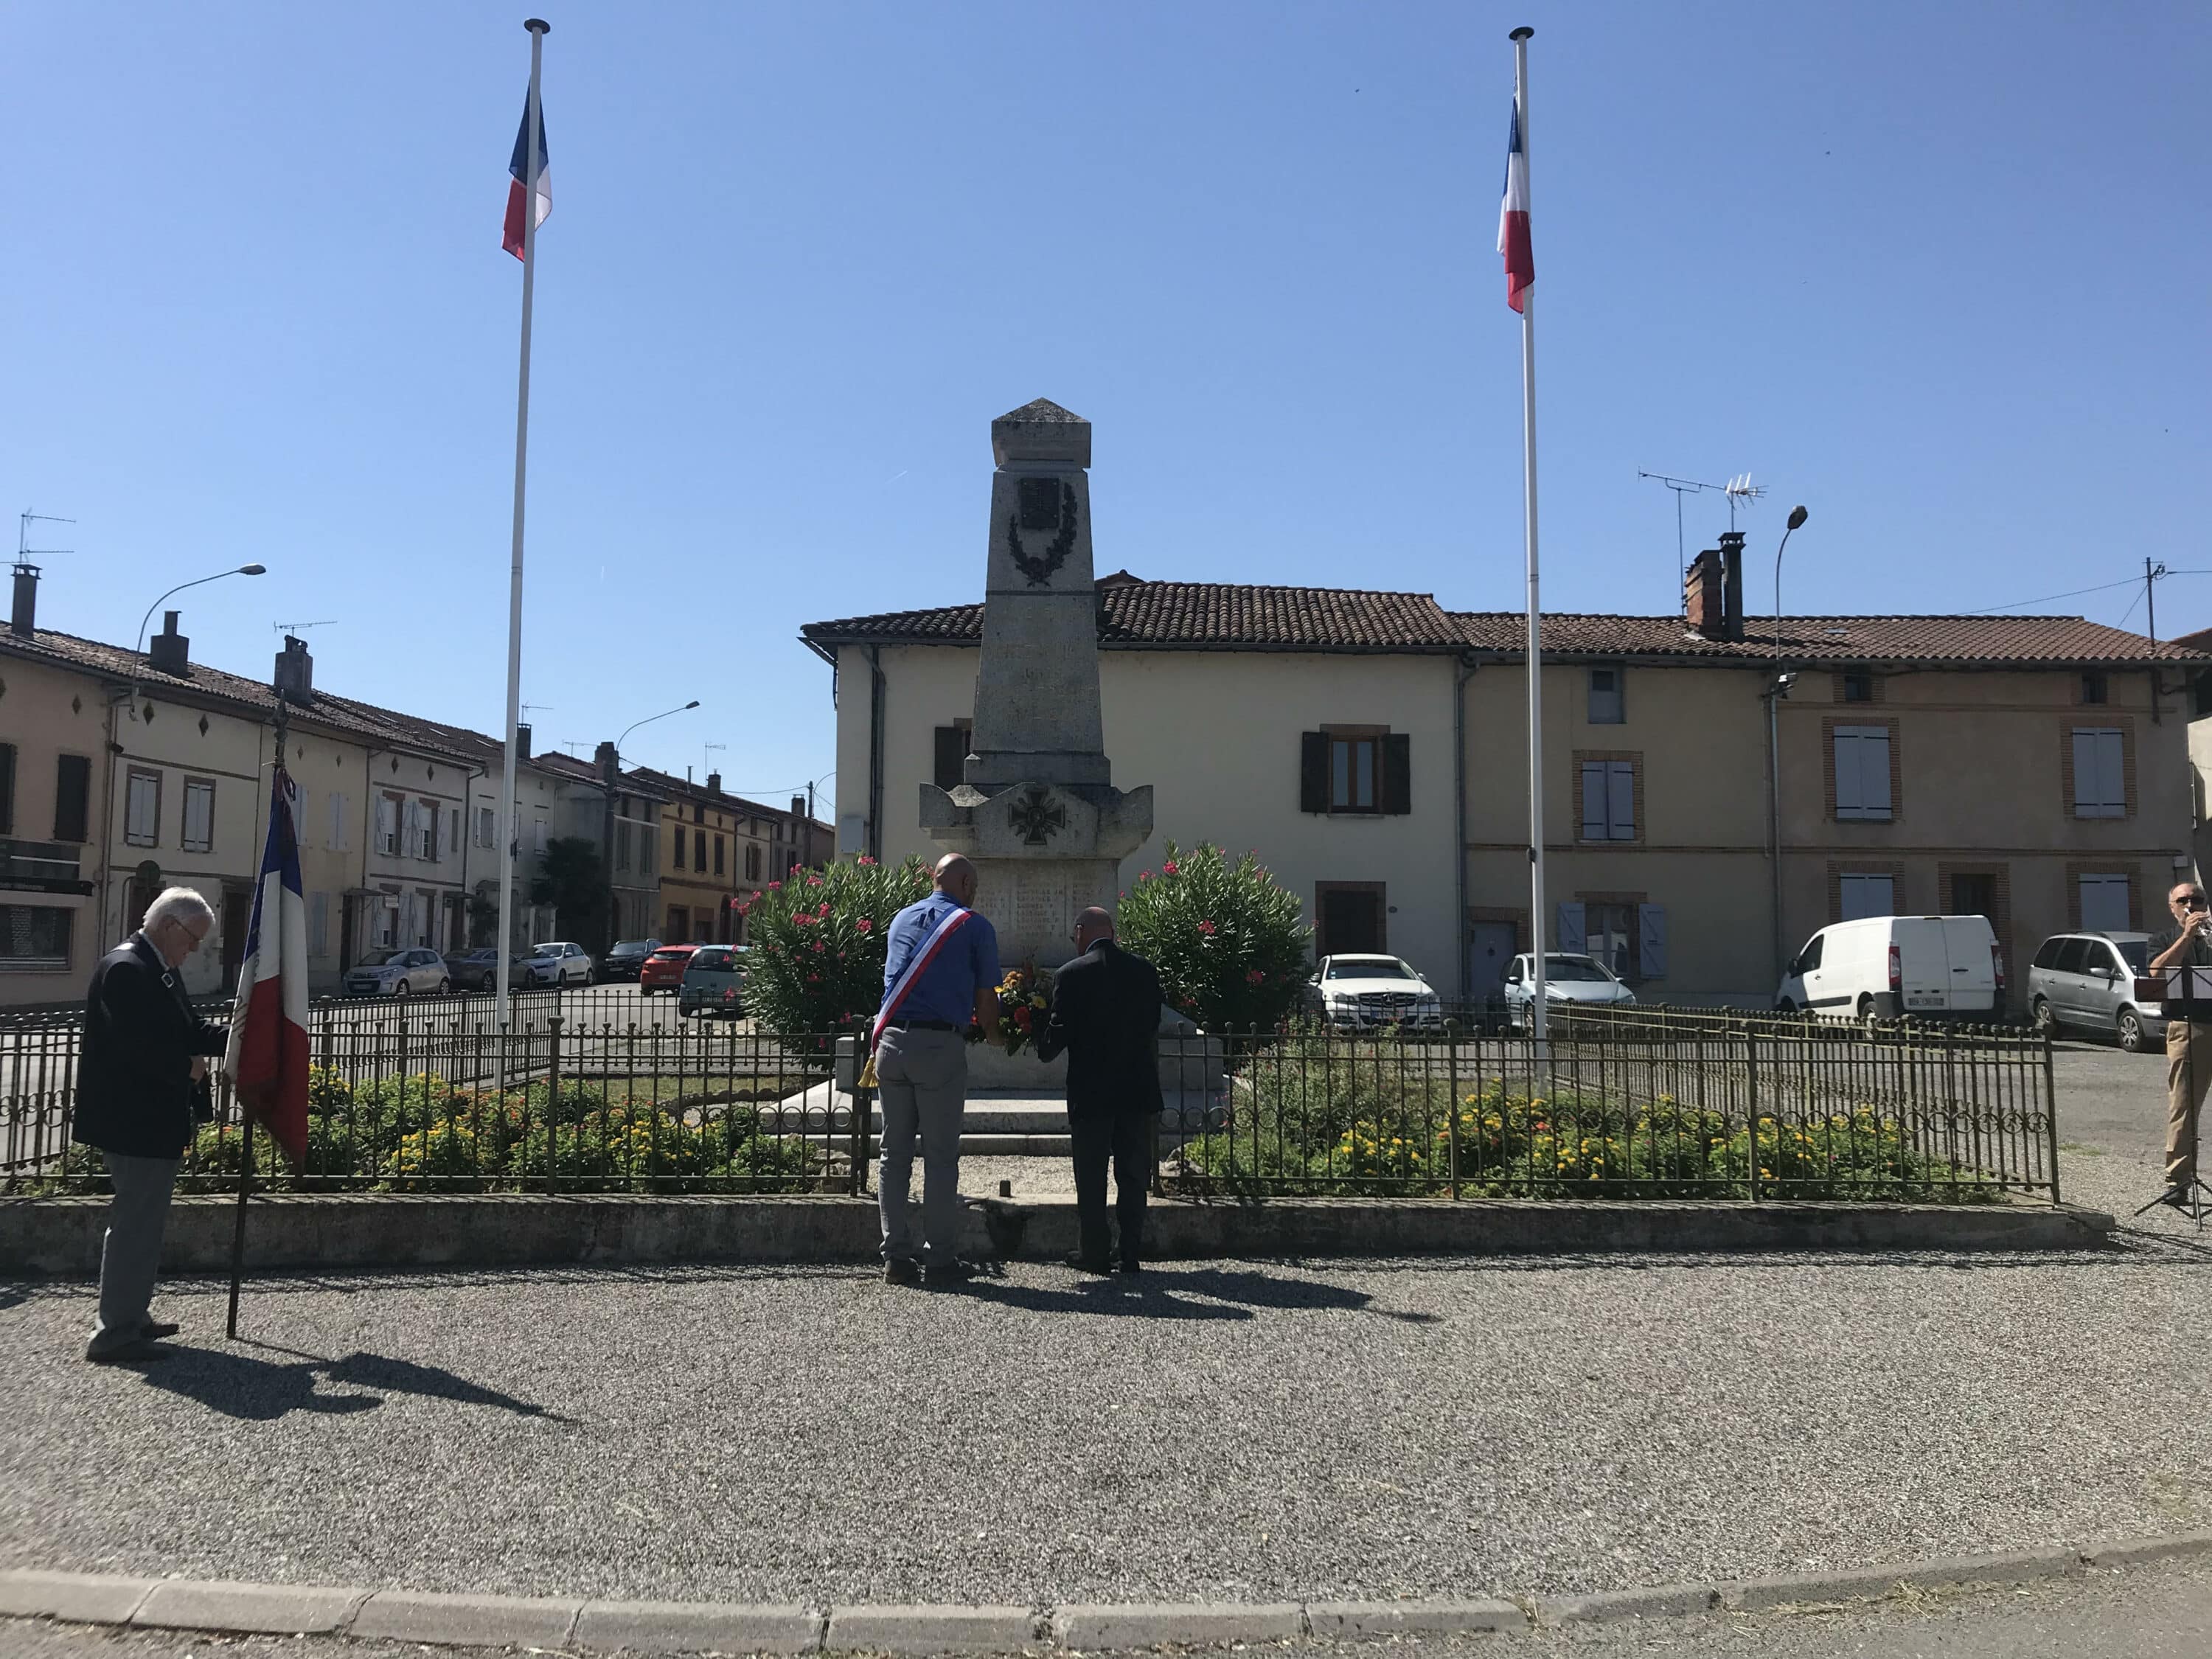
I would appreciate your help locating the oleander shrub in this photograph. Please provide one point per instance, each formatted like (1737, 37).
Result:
(1229, 941)
(816, 963)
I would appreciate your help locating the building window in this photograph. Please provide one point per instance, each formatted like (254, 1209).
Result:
(1866, 895)
(790, 860)
(718, 856)
(1857, 688)
(34, 939)
(698, 850)
(73, 797)
(676, 849)
(2095, 688)
(8, 791)
(1861, 775)
(452, 831)
(752, 861)
(1606, 808)
(951, 753)
(387, 824)
(1351, 917)
(538, 836)
(1606, 703)
(622, 846)
(2108, 905)
(487, 826)
(199, 815)
(1355, 770)
(319, 924)
(142, 808)
(698, 811)
(426, 831)
(341, 816)
(384, 919)
(2100, 777)
(648, 856)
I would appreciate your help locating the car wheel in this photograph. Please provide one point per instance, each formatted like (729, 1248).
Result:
(1867, 1016)
(2045, 1018)
(2131, 1032)
(1784, 1005)
(587, 977)
(400, 989)
(445, 987)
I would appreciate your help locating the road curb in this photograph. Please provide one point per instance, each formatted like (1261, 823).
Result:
(671, 1627)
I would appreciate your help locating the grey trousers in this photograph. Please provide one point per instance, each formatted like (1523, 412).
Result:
(922, 1078)
(131, 1254)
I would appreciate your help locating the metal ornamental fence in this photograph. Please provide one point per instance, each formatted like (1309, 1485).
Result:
(592, 1093)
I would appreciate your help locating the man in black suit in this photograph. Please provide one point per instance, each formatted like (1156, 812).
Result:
(1106, 1014)
(137, 1094)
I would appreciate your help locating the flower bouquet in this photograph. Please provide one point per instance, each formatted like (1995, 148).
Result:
(1025, 1004)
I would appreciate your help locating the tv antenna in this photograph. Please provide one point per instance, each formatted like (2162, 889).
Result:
(707, 758)
(302, 627)
(24, 551)
(1737, 489)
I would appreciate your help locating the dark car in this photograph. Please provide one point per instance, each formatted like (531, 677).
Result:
(623, 959)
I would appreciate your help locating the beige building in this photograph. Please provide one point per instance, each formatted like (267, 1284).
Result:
(1372, 747)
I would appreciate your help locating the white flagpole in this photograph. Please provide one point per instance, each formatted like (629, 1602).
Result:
(1536, 910)
(504, 944)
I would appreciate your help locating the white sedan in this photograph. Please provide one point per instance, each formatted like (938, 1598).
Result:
(1568, 977)
(1370, 990)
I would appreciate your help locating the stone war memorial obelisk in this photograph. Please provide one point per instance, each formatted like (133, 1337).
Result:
(1037, 808)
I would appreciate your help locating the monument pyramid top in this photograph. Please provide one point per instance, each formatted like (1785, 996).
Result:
(1041, 431)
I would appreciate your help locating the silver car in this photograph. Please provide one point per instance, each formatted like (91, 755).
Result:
(1569, 976)
(572, 963)
(398, 973)
(2086, 982)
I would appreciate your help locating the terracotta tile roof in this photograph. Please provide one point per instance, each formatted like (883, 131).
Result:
(1137, 614)
(1195, 615)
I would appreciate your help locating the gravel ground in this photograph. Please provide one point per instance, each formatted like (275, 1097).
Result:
(1241, 1431)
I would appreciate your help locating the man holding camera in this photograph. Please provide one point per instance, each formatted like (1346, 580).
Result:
(140, 1093)
(2187, 944)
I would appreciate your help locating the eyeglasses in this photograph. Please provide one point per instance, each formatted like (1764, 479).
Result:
(2193, 901)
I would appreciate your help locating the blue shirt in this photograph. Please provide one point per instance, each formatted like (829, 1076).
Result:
(968, 964)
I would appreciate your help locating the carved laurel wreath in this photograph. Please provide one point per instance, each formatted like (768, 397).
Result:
(1039, 567)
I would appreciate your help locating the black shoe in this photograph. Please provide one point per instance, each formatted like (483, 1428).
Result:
(951, 1270)
(1129, 1270)
(2177, 1197)
(154, 1330)
(902, 1270)
(1085, 1264)
(129, 1353)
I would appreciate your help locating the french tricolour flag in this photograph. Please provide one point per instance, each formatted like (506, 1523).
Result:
(513, 239)
(268, 1055)
(1513, 218)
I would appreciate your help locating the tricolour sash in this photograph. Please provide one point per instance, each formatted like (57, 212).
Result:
(909, 977)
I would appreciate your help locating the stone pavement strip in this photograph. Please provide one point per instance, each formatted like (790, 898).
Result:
(701, 1628)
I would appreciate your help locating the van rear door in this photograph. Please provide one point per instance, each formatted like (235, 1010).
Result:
(1972, 978)
(1925, 963)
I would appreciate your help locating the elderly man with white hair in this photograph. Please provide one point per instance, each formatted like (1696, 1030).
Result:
(137, 1101)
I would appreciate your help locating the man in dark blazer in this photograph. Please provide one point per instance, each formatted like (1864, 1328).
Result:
(1106, 1014)
(137, 1094)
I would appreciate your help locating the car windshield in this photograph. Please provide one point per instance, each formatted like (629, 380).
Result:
(2135, 952)
(1368, 967)
(710, 959)
(1575, 970)
(671, 952)
(383, 958)
(549, 950)
(631, 947)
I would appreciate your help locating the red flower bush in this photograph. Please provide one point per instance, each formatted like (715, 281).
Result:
(795, 991)
(1229, 944)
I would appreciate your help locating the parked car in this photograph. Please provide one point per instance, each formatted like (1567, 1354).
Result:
(714, 981)
(406, 972)
(664, 969)
(1881, 967)
(1370, 990)
(478, 970)
(572, 963)
(2086, 981)
(1569, 976)
(624, 958)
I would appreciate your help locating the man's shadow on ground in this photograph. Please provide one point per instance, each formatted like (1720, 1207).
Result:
(258, 1390)
(1229, 1293)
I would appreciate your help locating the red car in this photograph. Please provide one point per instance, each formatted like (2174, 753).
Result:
(664, 969)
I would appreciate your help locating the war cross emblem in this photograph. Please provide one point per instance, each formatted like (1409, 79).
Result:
(1035, 816)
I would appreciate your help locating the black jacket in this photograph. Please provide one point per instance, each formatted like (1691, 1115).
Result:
(1106, 1013)
(135, 1093)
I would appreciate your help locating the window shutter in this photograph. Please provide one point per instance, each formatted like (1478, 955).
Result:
(1398, 774)
(1313, 772)
(1620, 800)
(1874, 772)
(1847, 772)
(1651, 940)
(2112, 775)
(72, 796)
(1574, 934)
(951, 754)
(1594, 799)
(7, 794)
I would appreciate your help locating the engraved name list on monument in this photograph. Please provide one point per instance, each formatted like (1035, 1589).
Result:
(1038, 902)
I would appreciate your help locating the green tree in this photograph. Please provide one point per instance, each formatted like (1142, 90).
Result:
(1228, 940)
(572, 880)
(817, 962)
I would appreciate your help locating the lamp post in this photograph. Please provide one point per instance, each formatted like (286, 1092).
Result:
(611, 777)
(1775, 693)
(242, 570)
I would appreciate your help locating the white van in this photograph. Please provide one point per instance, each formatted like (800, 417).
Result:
(1880, 967)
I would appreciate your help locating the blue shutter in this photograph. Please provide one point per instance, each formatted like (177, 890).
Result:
(1574, 935)
(1651, 940)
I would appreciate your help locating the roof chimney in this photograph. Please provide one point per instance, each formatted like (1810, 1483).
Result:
(295, 672)
(1732, 588)
(714, 783)
(1701, 595)
(522, 741)
(798, 810)
(609, 763)
(168, 650)
(23, 622)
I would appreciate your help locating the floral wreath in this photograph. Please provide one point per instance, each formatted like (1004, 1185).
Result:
(1038, 568)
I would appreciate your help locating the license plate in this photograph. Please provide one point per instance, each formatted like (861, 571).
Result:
(1925, 1000)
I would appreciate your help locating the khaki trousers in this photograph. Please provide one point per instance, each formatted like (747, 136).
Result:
(2186, 1041)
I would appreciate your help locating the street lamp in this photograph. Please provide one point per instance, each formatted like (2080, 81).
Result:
(1797, 517)
(1775, 693)
(607, 818)
(242, 570)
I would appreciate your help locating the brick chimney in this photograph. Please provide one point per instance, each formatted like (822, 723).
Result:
(168, 650)
(522, 741)
(1702, 596)
(295, 673)
(23, 621)
(713, 783)
(1732, 587)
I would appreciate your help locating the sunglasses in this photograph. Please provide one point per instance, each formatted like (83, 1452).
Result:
(2193, 901)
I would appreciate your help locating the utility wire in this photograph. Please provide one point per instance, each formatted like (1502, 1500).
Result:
(2101, 587)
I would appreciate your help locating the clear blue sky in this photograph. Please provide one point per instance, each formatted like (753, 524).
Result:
(1938, 272)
